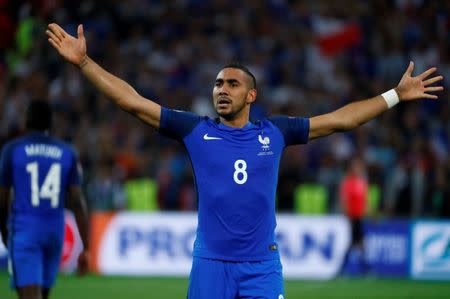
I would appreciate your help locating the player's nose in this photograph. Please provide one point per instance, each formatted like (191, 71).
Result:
(222, 90)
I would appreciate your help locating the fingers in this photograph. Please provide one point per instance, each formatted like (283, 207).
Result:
(429, 96)
(56, 34)
(432, 80)
(54, 44)
(53, 39)
(434, 88)
(80, 31)
(410, 68)
(56, 29)
(427, 73)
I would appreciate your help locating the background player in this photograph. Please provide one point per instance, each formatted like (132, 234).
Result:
(39, 170)
(354, 192)
(236, 166)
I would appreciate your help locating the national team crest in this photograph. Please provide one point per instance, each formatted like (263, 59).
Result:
(265, 141)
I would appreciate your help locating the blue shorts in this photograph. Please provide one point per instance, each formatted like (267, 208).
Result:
(232, 280)
(34, 258)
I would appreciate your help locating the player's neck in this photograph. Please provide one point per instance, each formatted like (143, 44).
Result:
(235, 123)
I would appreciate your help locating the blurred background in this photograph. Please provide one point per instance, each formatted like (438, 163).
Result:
(309, 58)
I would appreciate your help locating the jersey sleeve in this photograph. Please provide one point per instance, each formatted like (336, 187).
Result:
(5, 166)
(177, 124)
(295, 130)
(76, 171)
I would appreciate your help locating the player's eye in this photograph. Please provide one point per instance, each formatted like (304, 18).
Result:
(233, 84)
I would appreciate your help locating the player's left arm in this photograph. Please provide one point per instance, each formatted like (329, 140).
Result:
(4, 207)
(357, 113)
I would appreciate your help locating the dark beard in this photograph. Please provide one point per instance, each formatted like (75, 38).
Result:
(231, 115)
(227, 116)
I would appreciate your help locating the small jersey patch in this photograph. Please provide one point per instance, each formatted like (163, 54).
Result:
(273, 247)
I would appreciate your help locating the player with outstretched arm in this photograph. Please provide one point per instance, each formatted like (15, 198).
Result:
(235, 162)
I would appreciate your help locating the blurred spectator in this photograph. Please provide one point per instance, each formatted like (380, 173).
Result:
(104, 191)
(406, 186)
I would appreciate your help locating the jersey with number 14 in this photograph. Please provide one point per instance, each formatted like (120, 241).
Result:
(236, 174)
(38, 168)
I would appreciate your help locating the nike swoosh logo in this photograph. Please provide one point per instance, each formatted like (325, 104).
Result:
(206, 137)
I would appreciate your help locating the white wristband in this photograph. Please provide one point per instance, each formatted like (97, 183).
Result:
(391, 98)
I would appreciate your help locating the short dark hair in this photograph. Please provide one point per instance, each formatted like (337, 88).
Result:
(238, 65)
(39, 115)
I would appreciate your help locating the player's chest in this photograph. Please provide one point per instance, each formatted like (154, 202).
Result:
(215, 146)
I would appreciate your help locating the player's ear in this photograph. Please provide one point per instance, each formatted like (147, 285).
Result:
(251, 96)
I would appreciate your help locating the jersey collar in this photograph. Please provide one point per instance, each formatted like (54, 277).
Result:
(249, 126)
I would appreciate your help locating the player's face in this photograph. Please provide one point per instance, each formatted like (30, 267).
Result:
(232, 93)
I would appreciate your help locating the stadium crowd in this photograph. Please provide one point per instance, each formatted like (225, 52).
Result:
(309, 57)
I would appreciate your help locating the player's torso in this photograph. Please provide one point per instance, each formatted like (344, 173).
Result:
(40, 168)
(230, 159)
(236, 176)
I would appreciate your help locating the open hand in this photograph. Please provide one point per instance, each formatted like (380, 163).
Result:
(413, 88)
(71, 48)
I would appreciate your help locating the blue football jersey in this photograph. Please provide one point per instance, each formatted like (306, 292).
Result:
(236, 175)
(38, 168)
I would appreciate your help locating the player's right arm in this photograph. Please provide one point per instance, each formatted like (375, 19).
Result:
(120, 92)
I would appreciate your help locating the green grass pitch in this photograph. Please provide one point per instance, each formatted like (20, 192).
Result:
(99, 287)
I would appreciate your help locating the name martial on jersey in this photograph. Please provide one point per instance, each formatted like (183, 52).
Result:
(43, 150)
(38, 168)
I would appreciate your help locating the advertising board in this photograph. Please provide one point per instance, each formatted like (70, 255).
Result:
(161, 244)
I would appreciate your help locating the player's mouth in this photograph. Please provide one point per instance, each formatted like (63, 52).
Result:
(223, 102)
